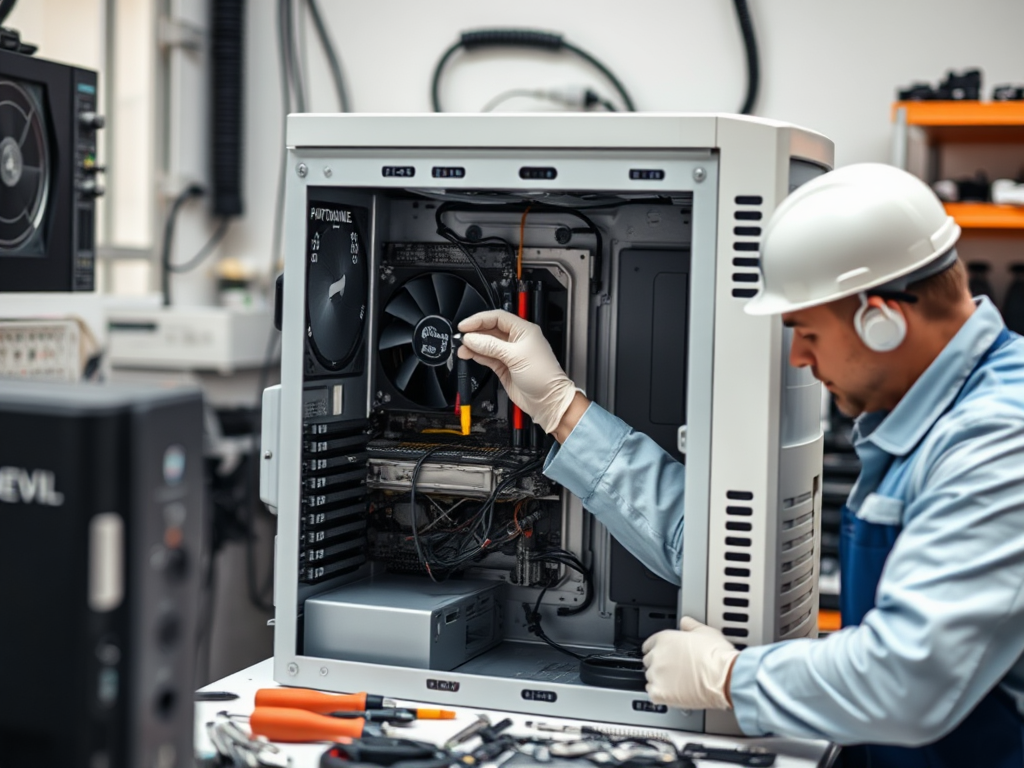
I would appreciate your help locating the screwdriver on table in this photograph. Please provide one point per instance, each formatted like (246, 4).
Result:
(296, 725)
(327, 703)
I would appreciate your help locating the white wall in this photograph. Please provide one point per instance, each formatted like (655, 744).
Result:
(831, 66)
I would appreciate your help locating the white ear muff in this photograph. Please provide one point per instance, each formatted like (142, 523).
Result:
(881, 329)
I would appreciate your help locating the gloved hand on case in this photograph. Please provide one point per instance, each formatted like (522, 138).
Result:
(517, 351)
(689, 668)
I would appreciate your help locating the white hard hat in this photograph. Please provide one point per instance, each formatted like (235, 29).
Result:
(857, 228)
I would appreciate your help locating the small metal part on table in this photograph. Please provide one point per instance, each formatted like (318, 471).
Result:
(482, 722)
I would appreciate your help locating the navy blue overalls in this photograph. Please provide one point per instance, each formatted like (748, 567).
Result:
(993, 734)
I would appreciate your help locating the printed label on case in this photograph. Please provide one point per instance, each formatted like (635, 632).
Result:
(547, 696)
(639, 705)
(451, 686)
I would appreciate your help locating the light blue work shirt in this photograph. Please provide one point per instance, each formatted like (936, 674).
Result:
(948, 625)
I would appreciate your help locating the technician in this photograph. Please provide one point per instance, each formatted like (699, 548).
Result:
(928, 669)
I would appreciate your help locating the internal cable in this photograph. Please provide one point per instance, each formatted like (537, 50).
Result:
(522, 238)
(520, 38)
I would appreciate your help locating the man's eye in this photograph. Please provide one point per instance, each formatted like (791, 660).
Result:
(809, 337)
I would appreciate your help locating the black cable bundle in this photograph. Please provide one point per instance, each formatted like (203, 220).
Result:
(227, 47)
(750, 46)
(521, 38)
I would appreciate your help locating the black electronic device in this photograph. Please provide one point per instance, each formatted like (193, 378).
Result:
(48, 174)
(101, 492)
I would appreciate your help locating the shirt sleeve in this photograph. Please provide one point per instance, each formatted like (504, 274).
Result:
(629, 483)
(949, 618)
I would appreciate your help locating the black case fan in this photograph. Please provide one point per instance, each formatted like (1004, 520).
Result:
(415, 344)
(24, 167)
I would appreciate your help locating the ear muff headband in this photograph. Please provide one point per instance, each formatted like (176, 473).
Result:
(881, 329)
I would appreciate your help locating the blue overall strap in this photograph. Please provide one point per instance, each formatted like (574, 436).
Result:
(993, 734)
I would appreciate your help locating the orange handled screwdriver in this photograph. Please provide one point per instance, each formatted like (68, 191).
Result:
(326, 703)
(297, 725)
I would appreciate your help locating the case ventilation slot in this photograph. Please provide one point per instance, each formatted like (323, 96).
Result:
(797, 592)
(738, 577)
(747, 273)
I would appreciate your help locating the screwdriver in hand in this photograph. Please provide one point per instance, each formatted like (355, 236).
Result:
(326, 703)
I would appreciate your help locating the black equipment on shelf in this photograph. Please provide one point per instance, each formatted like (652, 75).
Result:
(48, 172)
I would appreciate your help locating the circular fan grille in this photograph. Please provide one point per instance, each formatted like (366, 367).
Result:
(415, 337)
(24, 165)
(337, 290)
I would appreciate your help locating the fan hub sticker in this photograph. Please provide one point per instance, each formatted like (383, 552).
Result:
(433, 340)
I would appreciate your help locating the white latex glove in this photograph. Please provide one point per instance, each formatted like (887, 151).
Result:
(517, 351)
(689, 668)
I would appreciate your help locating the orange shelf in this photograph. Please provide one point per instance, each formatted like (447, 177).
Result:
(987, 215)
(829, 621)
(962, 113)
(966, 121)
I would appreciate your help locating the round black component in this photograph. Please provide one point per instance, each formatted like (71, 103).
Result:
(168, 630)
(432, 340)
(176, 564)
(415, 343)
(563, 235)
(625, 674)
(474, 233)
(166, 702)
(24, 166)
(336, 291)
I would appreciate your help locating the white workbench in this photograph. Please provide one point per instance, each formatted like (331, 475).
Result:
(791, 753)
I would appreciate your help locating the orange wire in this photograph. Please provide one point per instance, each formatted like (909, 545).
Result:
(522, 233)
(515, 514)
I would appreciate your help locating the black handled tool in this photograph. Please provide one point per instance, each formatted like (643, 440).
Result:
(754, 756)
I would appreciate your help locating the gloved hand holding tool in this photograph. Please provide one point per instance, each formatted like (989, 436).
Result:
(516, 350)
(689, 668)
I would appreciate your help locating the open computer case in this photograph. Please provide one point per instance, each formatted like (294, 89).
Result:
(423, 564)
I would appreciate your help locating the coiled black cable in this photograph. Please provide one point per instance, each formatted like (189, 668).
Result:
(753, 65)
(521, 38)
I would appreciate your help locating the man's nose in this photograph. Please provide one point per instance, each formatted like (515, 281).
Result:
(799, 354)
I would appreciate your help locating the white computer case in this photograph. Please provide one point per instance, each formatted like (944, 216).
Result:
(752, 439)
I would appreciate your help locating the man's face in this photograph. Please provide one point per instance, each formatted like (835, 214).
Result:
(825, 340)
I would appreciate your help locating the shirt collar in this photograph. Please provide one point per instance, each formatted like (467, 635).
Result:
(935, 390)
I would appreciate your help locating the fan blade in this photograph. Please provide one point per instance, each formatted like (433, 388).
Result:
(403, 306)
(449, 291)
(432, 391)
(422, 291)
(20, 201)
(471, 303)
(12, 121)
(406, 371)
(395, 335)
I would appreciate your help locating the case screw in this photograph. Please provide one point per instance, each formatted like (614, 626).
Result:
(323, 671)
(699, 174)
(268, 454)
(293, 669)
(302, 170)
(328, 172)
